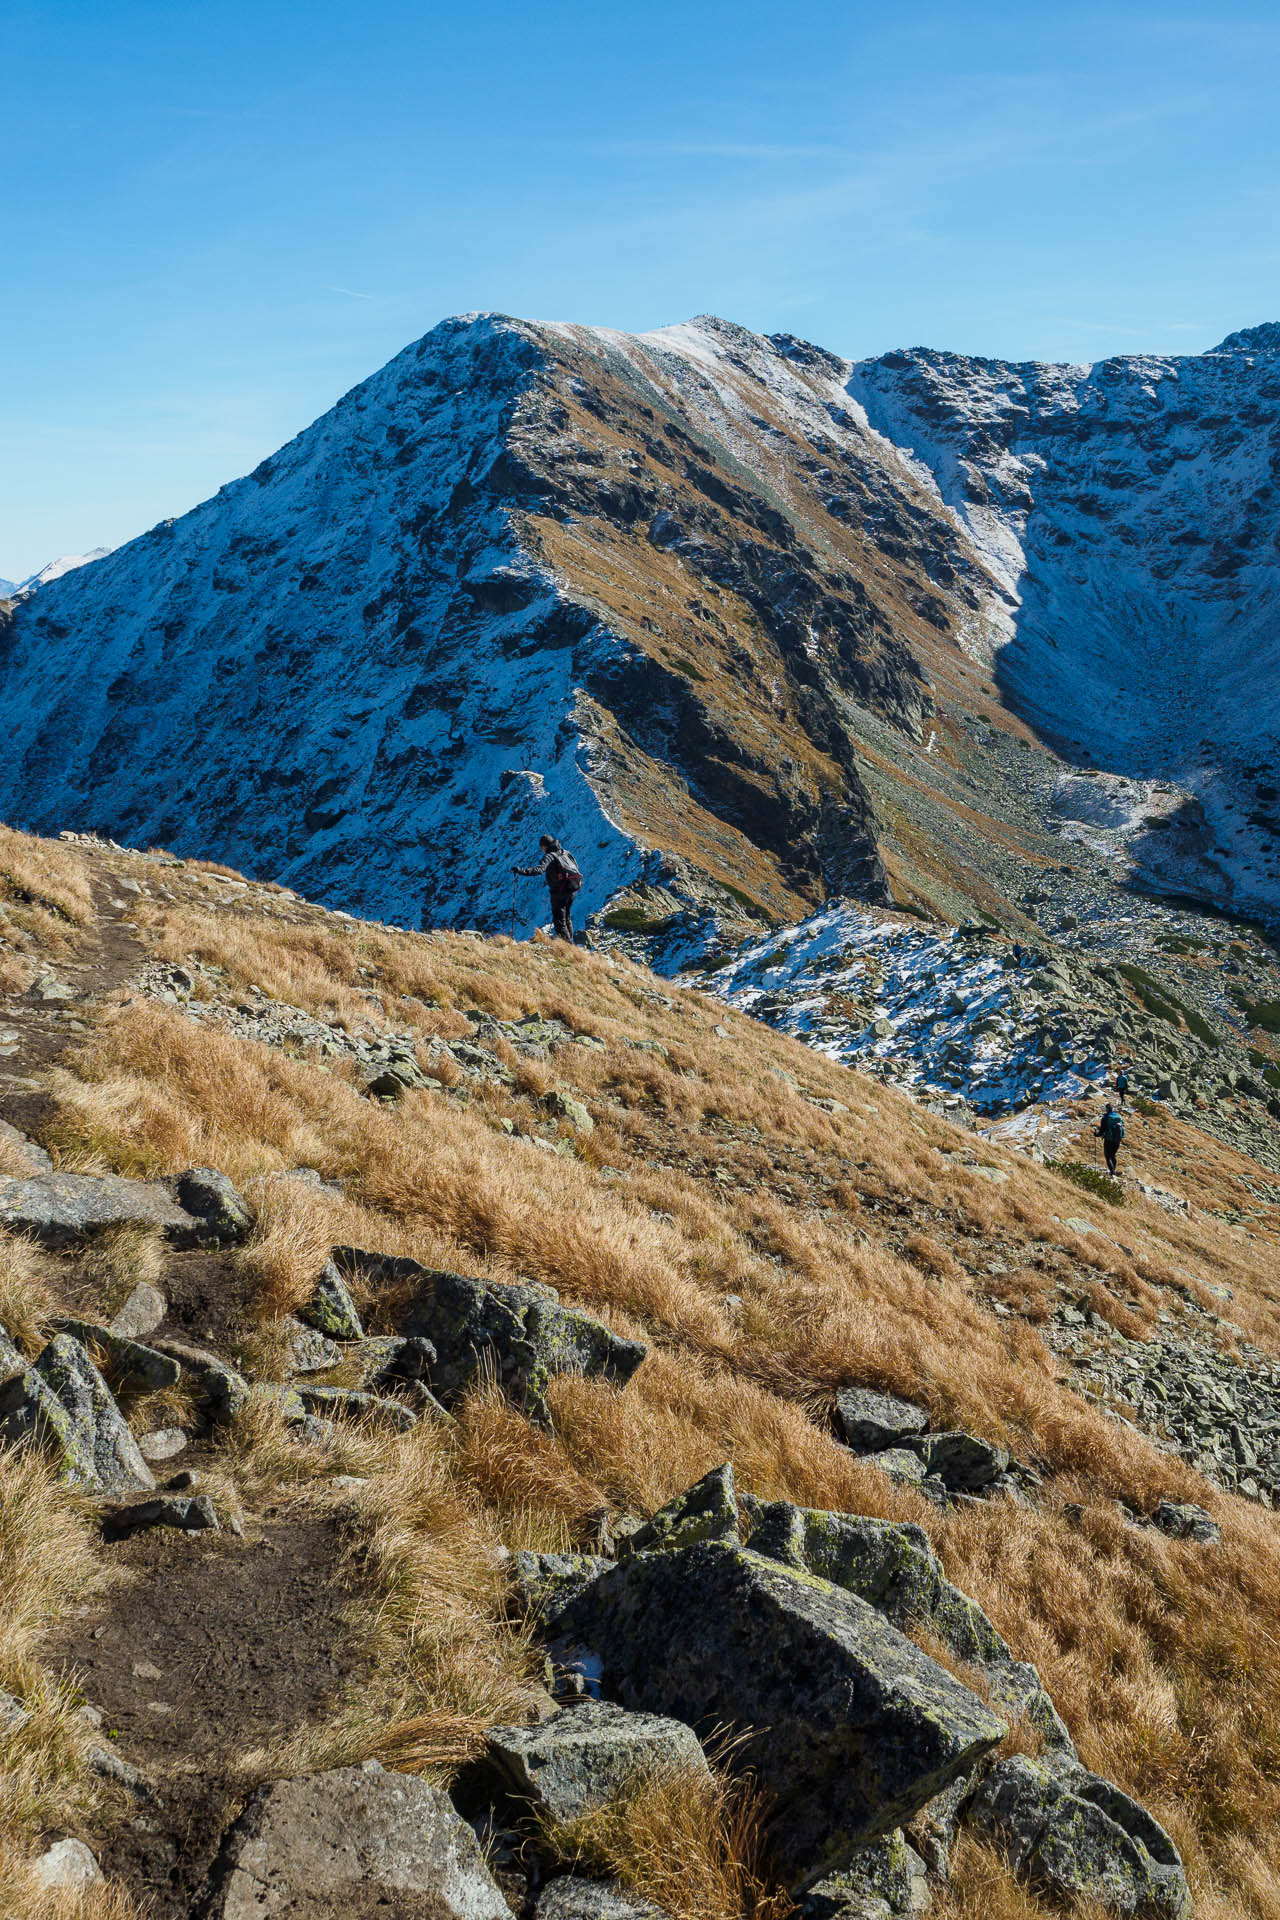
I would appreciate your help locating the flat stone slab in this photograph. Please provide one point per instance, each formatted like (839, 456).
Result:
(574, 1897)
(581, 1757)
(357, 1843)
(847, 1725)
(59, 1208)
(870, 1421)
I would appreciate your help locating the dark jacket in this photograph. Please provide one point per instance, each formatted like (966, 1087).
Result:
(561, 878)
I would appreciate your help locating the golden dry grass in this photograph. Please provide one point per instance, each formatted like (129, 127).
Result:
(692, 1844)
(769, 1249)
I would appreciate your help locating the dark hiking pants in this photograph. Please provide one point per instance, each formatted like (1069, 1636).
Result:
(1111, 1148)
(562, 916)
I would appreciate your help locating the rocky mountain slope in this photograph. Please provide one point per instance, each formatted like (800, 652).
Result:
(455, 1392)
(739, 617)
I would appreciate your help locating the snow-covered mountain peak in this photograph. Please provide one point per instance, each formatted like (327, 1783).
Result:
(1261, 339)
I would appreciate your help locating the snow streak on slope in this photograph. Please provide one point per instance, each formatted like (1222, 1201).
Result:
(1132, 510)
(342, 671)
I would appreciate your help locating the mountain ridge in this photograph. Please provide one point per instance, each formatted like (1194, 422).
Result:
(734, 612)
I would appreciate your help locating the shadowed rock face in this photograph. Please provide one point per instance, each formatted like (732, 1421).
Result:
(848, 1726)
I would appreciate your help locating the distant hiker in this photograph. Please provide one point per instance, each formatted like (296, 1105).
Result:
(563, 878)
(1122, 1084)
(1111, 1133)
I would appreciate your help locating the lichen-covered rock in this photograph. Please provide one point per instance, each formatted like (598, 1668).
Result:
(395, 1359)
(1080, 1837)
(932, 1832)
(348, 1403)
(32, 1415)
(224, 1217)
(1183, 1520)
(63, 1404)
(355, 1842)
(522, 1335)
(582, 1757)
(130, 1367)
(224, 1392)
(544, 1583)
(870, 1421)
(848, 1726)
(331, 1308)
(59, 1208)
(572, 1897)
(564, 1106)
(887, 1877)
(310, 1351)
(891, 1565)
(962, 1462)
(707, 1510)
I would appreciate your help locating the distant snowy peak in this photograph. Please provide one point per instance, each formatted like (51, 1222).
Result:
(55, 569)
(7, 587)
(1263, 339)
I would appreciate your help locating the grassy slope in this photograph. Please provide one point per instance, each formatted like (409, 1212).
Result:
(715, 1174)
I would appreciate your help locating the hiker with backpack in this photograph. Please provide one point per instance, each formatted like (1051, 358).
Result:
(1122, 1084)
(563, 877)
(1111, 1133)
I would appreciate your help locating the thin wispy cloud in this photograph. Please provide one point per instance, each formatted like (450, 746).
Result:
(351, 293)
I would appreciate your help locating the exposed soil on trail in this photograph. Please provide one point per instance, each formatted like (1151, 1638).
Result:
(212, 1647)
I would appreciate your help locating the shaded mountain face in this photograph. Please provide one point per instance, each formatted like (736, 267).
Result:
(1132, 512)
(743, 623)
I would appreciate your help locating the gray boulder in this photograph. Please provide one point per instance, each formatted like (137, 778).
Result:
(142, 1312)
(64, 1405)
(357, 1842)
(885, 1879)
(544, 1583)
(572, 1897)
(224, 1218)
(187, 1513)
(331, 1308)
(582, 1757)
(59, 1208)
(310, 1351)
(522, 1335)
(224, 1393)
(130, 1367)
(892, 1567)
(1183, 1520)
(871, 1421)
(707, 1510)
(1080, 1838)
(962, 1462)
(846, 1724)
(395, 1359)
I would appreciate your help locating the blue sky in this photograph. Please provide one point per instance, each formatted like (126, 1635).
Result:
(218, 217)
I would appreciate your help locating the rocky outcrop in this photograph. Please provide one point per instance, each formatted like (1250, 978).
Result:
(357, 1842)
(1080, 1837)
(862, 1728)
(63, 1405)
(521, 1334)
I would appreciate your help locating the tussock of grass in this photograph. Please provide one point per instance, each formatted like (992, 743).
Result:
(26, 1292)
(692, 1845)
